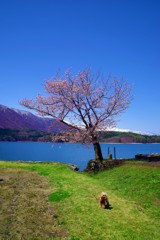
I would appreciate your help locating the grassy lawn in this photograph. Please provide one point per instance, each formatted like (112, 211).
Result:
(134, 194)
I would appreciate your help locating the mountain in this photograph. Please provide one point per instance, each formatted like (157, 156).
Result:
(129, 130)
(20, 125)
(128, 137)
(11, 118)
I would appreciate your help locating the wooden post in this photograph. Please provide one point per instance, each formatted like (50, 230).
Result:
(109, 155)
(108, 151)
(114, 153)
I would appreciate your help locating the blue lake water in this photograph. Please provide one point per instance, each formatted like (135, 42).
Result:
(69, 153)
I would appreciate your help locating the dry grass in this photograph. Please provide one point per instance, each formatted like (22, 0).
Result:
(25, 210)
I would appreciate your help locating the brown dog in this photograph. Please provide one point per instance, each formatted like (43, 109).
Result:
(103, 200)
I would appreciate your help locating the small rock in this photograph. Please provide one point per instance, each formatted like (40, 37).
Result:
(73, 167)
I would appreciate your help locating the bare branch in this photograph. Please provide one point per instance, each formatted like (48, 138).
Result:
(84, 103)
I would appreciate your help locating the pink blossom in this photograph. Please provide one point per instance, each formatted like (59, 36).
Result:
(86, 105)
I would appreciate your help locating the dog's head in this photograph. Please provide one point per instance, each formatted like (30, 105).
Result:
(103, 194)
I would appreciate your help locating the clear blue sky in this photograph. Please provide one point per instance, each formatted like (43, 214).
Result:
(117, 37)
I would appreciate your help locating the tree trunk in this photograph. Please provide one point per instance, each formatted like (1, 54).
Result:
(98, 152)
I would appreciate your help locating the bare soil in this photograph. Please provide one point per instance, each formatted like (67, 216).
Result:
(151, 164)
(25, 212)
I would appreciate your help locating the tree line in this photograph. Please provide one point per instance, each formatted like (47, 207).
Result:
(106, 137)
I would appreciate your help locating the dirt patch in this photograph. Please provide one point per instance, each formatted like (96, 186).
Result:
(25, 211)
(151, 164)
(154, 164)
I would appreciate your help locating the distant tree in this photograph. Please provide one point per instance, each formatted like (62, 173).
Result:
(87, 104)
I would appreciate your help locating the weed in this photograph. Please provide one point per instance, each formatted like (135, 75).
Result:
(58, 196)
(74, 238)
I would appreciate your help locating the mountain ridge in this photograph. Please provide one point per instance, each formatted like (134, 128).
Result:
(11, 118)
(21, 125)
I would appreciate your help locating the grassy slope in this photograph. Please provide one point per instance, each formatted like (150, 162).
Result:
(134, 193)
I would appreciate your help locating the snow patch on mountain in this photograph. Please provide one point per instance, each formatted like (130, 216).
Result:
(133, 131)
(22, 112)
(3, 107)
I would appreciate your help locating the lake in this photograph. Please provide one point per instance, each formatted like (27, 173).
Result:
(68, 152)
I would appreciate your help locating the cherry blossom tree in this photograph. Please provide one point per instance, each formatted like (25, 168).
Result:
(85, 103)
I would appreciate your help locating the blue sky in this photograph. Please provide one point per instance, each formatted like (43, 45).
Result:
(116, 37)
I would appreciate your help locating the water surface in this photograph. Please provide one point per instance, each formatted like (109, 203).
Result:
(70, 153)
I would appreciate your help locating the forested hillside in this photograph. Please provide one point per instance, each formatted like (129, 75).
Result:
(128, 137)
(24, 135)
(108, 137)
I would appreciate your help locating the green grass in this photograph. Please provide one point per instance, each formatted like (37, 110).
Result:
(134, 194)
(135, 182)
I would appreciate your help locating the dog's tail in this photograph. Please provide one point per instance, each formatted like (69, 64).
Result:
(95, 197)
